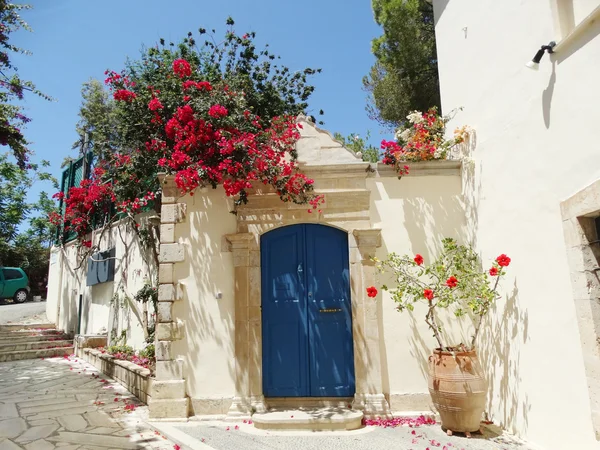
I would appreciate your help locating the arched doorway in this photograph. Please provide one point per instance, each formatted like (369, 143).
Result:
(306, 313)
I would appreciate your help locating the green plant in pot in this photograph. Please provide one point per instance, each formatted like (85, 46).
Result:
(454, 281)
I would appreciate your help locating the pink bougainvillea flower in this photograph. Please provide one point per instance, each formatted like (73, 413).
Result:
(217, 111)
(155, 104)
(182, 68)
(123, 95)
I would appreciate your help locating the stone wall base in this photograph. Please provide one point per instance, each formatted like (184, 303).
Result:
(373, 406)
(210, 406)
(134, 378)
(410, 403)
(170, 408)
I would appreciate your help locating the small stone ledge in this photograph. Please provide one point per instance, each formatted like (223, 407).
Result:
(134, 378)
(443, 168)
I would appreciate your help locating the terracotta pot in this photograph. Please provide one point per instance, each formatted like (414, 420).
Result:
(458, 389)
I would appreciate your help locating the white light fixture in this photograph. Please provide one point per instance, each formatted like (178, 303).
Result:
(534, 64)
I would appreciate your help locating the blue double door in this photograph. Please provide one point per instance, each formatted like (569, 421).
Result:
(306, 313)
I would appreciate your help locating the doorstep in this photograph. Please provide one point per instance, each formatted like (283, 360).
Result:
(328, 418)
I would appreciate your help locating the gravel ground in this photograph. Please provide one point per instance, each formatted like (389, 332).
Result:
(224, 436)
(29, 312)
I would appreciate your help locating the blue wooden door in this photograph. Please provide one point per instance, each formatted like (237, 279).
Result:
(306, 313)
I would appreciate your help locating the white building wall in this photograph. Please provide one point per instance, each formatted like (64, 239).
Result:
(207, 273)
(414, 214)
(536, 145)
(102, 312)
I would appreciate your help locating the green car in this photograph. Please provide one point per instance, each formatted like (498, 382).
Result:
(14, 284)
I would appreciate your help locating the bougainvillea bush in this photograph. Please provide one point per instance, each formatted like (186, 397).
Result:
(220, 114)
(454, 280)
(422, 138)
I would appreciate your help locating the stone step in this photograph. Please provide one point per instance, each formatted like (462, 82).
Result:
(36, 338)
(34, 345)
(308, 402)
(11, 334)
(32, 326)
(34, 354)
(309, 419)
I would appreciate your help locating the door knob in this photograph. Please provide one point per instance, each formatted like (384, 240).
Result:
(299, 268)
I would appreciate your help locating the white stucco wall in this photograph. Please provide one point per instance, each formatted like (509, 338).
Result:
(414, 214)
(536, 146)
(207, 347)
(101, 314)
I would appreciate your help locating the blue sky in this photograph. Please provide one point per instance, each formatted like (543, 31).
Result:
(74, 40)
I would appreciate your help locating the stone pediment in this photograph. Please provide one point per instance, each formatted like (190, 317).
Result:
(318, 147)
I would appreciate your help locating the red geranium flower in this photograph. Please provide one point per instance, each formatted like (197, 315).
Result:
(451, 282)
(418, 259)
(372, 291)
(493, 271)
(428, 294)
(503, 260)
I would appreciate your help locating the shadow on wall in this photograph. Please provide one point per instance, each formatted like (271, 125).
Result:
(506, 324)
(415, 214)
(209, 321)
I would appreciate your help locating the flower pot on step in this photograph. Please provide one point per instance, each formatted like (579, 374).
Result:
(458, 389)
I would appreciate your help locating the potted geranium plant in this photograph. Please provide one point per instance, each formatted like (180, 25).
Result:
(454, 281)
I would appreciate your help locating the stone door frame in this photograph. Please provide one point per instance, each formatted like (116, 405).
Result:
(583, 253)
(249, 396)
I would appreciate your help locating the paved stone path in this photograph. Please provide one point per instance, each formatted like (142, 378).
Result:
(231, 436)
(66, 404)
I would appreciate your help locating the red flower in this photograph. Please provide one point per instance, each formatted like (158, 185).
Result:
(503, 260)
(493, 271)
(451, 282)
(182, 68)
(124, 95)
(217, 111)
(428, 294)
(418, 259)
(87, 244)
(372, 291)
(155, 104)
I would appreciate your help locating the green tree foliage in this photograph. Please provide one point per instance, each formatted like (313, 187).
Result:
(97, 118)
(12, 87)
(358, 145)
(270, 90)
(404, 77)
(29, 249)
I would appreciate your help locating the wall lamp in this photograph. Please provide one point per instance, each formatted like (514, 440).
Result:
(534, 64)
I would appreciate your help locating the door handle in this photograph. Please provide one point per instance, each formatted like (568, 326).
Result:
(299, 268)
